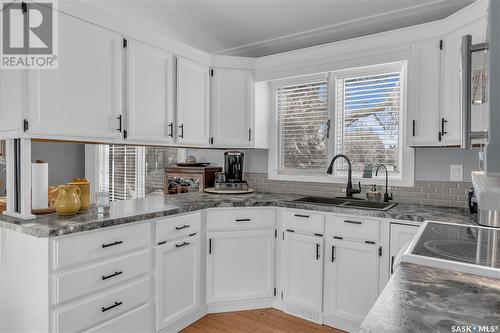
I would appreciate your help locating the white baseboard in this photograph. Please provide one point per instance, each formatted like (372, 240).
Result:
(240, 305)
(342, 324)
(184, 322)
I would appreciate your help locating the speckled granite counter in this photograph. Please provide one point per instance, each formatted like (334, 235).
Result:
(157, 206)
(426, 299)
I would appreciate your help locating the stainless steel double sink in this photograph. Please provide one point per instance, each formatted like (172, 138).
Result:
(348, 203)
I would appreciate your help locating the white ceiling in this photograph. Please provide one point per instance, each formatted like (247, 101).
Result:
(257, 28)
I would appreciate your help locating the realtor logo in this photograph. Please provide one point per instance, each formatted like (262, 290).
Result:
(29, 35)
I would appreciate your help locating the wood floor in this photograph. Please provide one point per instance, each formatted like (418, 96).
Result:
(253, 321)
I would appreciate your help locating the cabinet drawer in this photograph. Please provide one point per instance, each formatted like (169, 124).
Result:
(303, 220)
(240, 218)
(138, 320)
(107, 274)
(79, 249)
(104, 307)
(352, 227)
(177, 226)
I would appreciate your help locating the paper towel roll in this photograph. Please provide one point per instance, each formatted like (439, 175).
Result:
(39, 185)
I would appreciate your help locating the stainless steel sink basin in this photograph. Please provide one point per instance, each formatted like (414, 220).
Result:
(343, 202)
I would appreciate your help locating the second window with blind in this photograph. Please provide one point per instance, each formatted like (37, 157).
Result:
(357, 112)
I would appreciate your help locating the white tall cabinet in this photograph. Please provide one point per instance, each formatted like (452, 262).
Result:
(231, 107)
(83, 97)
(193, 117)
(150, 93)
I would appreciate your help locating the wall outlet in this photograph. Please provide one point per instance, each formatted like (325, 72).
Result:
(457, 172)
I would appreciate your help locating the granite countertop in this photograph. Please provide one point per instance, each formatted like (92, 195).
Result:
(121, 212)
(426, 299)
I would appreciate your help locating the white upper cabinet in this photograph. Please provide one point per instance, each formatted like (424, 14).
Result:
(150, 93)
(303, 272)
(351, 282)
(192, 103)
(423, 94)
(231, 107)
(82, 98)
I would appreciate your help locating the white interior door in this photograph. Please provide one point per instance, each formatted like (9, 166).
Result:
(82, 98)
(400, 235)
(192, 102)
(303, 271)
(149, 93)
(177, 279)
(240, 265)
(231, 108)
(351, 279)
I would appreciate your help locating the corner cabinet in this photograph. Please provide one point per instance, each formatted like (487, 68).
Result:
(150, 93)
(231, 107)
(83, 97)
(400, 236)
(193, 117)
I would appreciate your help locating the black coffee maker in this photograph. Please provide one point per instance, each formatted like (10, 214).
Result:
(233, 166)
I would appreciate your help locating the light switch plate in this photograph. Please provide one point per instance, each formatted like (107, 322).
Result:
(457, 172)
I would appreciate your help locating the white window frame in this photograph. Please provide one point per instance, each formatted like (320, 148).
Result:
(406, 154)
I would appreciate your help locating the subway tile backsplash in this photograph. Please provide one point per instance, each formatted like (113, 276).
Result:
(436, 193)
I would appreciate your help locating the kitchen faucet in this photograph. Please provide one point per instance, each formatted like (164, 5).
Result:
(386, 195)
(349, 190)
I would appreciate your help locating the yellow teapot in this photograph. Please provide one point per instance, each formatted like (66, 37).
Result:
(68, 200)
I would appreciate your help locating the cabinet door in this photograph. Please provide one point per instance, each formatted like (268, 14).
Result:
(177, 280)
(240, 265)
(303, 271)
(82, 98)
(423, 94)
(351, 280)
(149, 93)
(231, 107)
(400, 235)
(192, 102)
(451, 86)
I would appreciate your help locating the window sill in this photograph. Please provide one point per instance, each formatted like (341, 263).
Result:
(341, 180)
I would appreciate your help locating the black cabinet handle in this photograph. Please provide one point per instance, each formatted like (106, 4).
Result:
(250, 134)
(182, 227)
(181, 134)
(333, 253)
(392, 264)
(439, 136)
(243, 220)
(353, 222)
(119, 123)
(163, 242)
(338, 237)
(181, 245)
(443, 122)
(300, 215)
(171, 127)
(414, 127)
(210, 246)
(105, 277)
(111, 244)
(104, 309)
(317, 251)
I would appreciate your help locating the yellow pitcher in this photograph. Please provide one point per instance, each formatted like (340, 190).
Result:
(84, 186)
(68, 200)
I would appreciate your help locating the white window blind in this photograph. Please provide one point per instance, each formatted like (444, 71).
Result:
(368, 113)
(302, 127)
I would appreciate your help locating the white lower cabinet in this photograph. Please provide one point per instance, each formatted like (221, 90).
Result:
(401, 234)
(351, 282)
(136, 321)
(240, 265)
(303, 275)
(178, 269)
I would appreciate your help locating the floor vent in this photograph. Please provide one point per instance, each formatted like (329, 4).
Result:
(304, 313)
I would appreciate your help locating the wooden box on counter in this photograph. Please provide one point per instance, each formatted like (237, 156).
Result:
(197, 178)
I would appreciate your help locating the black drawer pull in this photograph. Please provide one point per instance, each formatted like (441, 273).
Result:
(243, 220)
(111, 244)
(171, 132)
(193, 234)
(369, 242)
(317, 251)
(300, 215)
(290, 230)
(353, 222)
(182, 227)
(181, 245)
(181, 134)
(105, 277)
(333, 253)
(338, 237)
(104, 309)
(161, 243)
